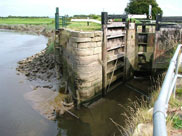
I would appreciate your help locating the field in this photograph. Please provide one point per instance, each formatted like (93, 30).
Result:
(32, 21)
(82, 26)
(49, 22)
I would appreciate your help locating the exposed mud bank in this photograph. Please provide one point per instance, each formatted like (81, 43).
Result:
(32, 29)
(47, 102)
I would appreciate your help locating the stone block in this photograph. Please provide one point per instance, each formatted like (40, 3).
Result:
(98, 34)
(100, 57)
(90, 68)
(99, 44)
(83, 52)
(97, 50)
(87, 45)
(86, 93)
(82, 34)
(88, 76)
(97, 39)
(74, 45)
(80, 40)
(85, 60)
(85, 84)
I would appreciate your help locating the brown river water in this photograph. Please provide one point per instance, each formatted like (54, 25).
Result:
(19, 118)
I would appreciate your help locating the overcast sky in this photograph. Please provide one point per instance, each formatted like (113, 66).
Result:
(71, 7)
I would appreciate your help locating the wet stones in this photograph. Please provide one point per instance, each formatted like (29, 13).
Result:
(39, 66)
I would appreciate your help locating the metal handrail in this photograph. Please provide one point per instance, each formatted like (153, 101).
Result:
(168, 86)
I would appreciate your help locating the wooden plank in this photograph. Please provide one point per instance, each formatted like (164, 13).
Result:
(115, 47)
(114, 57)
(115, 77)
(120, 65)
(104, 60)
(116, 36)
(141, 43)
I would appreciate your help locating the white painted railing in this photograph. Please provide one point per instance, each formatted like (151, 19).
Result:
(168, 87)
(86, 20)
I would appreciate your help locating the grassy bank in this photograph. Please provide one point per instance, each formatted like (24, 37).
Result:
(50, 23)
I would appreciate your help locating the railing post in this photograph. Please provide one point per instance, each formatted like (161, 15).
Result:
(57, 19)
(104, 16)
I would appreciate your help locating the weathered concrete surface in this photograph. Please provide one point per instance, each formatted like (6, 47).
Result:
(79, 55)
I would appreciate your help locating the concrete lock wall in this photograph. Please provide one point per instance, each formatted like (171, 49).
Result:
(79, 54)
(78, 57)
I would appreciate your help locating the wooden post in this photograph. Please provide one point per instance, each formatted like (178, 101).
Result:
(57, 19)
(104, 53)
(143, 27)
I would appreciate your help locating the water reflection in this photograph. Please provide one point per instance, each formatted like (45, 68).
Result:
(95, 120)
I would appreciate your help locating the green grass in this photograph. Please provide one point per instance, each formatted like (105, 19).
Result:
(29, 21)
(82, 26)
(179, 90)
(50, 48)
(177, 122)
(49, 23)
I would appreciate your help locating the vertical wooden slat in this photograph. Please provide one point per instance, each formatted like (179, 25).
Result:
(104, 53)
(143, 28)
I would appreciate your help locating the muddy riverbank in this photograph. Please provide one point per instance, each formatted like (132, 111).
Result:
(30, 29)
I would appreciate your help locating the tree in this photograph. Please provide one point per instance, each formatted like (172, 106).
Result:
(142, 7)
